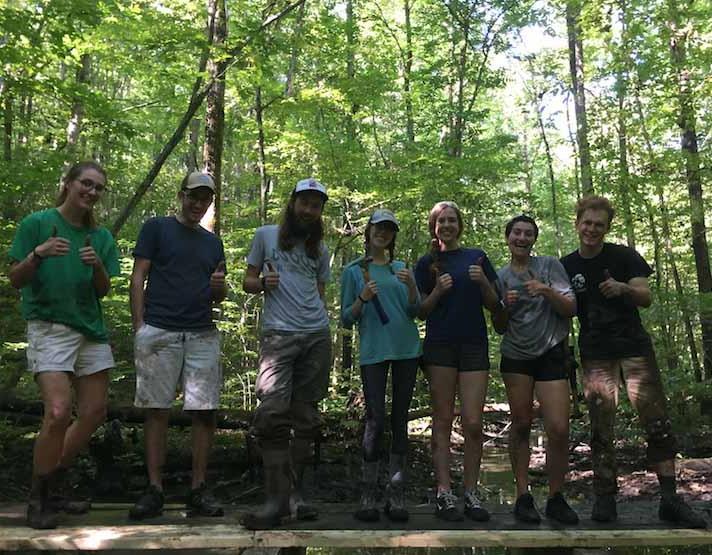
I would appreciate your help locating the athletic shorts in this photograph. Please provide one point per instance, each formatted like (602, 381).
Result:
(54, 347)
(549, 366)
(171, 361)
(466, 357)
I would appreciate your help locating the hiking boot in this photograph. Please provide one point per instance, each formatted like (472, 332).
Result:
(558, 509)
(395, 491)
(446, 507)
(525, 510)
(40, 514)
(61, 500)
(301, 453)
(149, 505)
(201, 503)
(278, 484)
(368, 509)
(604, 508)
(674, 509)
(474, 508)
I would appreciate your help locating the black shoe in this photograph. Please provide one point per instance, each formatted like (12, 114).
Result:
(558, 509)
(674, 509)
(149, 505)
(41, 517)
(445, 507)
(62, 503)
(474, 508)
(368, 510)
(201, 503)
(525, 510)
(604, 508)
(395, 508)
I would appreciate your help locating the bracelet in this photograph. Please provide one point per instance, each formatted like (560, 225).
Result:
(360, 298)
(37, 256)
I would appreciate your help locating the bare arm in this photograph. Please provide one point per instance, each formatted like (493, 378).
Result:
(21, 273)
(136, 290)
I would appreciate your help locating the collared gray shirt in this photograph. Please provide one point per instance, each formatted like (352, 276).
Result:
(295, 305)
(534, 326)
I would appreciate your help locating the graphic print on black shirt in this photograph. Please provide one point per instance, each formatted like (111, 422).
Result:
(610, 328)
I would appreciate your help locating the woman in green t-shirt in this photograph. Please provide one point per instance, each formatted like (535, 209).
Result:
(62, 262)
(379, 294)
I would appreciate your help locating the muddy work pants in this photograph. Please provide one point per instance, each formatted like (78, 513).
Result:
(293, 377)
(641, 376)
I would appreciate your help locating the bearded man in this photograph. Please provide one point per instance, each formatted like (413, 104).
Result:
(289, 263)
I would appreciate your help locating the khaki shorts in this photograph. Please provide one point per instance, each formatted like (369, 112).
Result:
(169, 361)
(54, 347)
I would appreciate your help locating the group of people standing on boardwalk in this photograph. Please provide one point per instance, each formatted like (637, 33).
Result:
(63, 262)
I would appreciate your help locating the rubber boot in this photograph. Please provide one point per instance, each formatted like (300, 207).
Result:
(278, 482)
(368, 509)
(395, 490)
(40, 514)
(300, 450)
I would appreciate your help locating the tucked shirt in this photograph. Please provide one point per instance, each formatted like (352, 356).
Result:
(62, 289)
(458, 315)
(396, 340)
(178, 295)
(610, 328)
(534, 326)
(294, 306)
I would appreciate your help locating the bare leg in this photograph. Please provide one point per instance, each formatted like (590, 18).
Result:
(91, 413)
(520, 393)
(554, 399)
(56, 390)
(155, 435)
(443, 381)
(472, 388)
(202, 434)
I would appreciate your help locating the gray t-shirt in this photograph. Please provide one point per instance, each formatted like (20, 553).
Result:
(534, 326)
(295, 305)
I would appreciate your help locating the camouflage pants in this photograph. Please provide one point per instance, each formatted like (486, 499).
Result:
(293, 378)
(641, 377)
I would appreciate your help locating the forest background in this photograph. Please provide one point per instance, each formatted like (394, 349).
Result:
(505, 106)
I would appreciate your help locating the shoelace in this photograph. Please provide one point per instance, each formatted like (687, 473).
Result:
(472, 500)
(448, 499)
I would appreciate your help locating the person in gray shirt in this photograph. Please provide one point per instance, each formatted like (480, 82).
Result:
(535, 307)
(289, 264)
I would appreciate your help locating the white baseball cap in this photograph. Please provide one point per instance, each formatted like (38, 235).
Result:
(199, 179)
(384, 215)
(310, 184)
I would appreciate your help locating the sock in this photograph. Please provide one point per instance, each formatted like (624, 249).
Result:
(668, 486)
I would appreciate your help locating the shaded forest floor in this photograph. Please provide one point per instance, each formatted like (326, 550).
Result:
(113, 469)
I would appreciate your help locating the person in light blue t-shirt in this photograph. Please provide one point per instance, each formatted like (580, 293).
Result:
(380, 294)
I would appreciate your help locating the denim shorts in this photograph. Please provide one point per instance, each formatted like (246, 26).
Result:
(465, 357)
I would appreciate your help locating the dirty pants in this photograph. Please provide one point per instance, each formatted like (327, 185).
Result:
(641, 377)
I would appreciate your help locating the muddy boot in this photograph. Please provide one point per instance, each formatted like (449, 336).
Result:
(368, 510)
(300, 451)
(40, 514)
(278, 483)
(62, 499)
(674, 509)
(395, 490)
(604, 508)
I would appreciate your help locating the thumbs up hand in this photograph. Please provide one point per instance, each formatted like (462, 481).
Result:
(217, 278)
(53, 246)
(475, 271)
(87, 254)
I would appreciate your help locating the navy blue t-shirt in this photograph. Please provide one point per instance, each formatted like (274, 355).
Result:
(458, 316)
(182, 259)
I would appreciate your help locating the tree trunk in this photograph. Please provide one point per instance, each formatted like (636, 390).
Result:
(74, 126)
(552, 181)
(407, 70)
(215, 106)
(573, 13)
(688, 145)
(294, 56)
(7, 122)
(261, 160)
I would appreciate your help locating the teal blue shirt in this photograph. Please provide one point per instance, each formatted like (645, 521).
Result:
(396, 340)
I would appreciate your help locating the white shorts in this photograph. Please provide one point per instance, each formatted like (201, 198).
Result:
(54, 347)
(167, 361)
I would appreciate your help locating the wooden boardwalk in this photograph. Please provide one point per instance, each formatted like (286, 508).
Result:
(107, 528)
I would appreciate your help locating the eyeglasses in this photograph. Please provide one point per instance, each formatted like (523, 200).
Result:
(88, 185)
(198, 197)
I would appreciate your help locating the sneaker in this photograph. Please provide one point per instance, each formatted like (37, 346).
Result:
(149, 505)
(201, 503)
(525, 510)
(558, 509)
(674, 509)
(368, 510)
(395, 503)
(604, 508)
(474, 508)
(446, 507)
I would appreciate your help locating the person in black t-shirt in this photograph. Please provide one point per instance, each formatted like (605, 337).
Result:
(610, 283)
